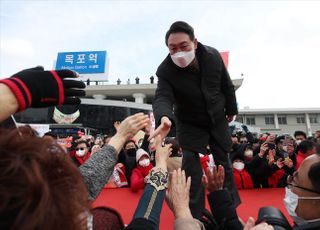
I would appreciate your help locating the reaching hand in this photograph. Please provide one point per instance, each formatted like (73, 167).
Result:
(213, 180)
(271, 155)
(132, 124)
(127, 129)
(177, 196)
(163, 129)
(38, 88)
(263, 149)
(288, 162)
(162, 152)
(280, 163)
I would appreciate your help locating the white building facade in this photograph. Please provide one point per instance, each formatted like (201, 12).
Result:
(282, 121)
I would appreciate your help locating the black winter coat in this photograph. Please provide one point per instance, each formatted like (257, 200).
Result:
(197, 105)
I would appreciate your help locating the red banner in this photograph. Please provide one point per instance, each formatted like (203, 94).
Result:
(225, 57)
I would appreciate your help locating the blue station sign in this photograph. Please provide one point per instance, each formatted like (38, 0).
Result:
(87, 62)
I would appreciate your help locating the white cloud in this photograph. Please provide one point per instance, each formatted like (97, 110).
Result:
(17, 48)
(275, 44)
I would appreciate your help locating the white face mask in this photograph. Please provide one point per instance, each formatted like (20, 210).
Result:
(291, 203)
(144, 163)
(183, 58)
(81, 153)
(285, 148)
(298, 142)
(238, 165)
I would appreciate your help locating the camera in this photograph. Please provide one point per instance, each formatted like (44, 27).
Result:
(271, 146)
(273, 217)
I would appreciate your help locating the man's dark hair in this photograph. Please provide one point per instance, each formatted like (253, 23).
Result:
(300, 133)
(178, 27)
(313, 175)
(306, 145)
(279, 139)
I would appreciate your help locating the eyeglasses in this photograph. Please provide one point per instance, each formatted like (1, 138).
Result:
(290, 185)
(79, 149)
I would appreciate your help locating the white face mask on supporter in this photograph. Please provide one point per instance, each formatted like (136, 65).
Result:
(144, 163)
(298, 142)
(81, 153)
(238, 165)
(183, 58)
(291, 203)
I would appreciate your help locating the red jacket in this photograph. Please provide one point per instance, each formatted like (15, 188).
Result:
(242, 179)
(138, 175)
(300, 158)
(274, 179)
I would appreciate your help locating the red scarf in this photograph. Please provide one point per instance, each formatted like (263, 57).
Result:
(81, 160)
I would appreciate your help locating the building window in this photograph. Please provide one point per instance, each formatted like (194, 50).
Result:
(239, 119)
(282, 120)
(251, 121)
(301, 119)
(269, 120)
(313, 118)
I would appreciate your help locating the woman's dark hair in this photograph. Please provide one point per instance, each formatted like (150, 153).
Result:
(180, 26)
(130, 141)
(40, 187)
(82, 142)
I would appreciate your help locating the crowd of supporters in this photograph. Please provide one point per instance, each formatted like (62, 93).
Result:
(259, 160)
(47, 185)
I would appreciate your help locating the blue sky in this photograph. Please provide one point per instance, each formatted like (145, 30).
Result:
(275, 44)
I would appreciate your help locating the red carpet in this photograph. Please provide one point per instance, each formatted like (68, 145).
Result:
(126, 201)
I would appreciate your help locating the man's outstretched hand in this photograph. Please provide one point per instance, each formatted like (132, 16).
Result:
(162, 130)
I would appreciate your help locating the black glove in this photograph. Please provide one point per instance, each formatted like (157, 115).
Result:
(245, 128)
(38, 88)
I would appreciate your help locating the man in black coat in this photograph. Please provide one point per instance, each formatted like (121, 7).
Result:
(196, 95)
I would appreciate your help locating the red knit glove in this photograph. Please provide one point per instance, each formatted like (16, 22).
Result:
(38, 88)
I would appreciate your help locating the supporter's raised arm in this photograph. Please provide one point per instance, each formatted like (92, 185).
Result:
(147, 214)
(38, 88)
(178, 202)
(221, 204)
(98, 169)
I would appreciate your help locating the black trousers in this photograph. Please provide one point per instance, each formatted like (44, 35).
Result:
(193, 141)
